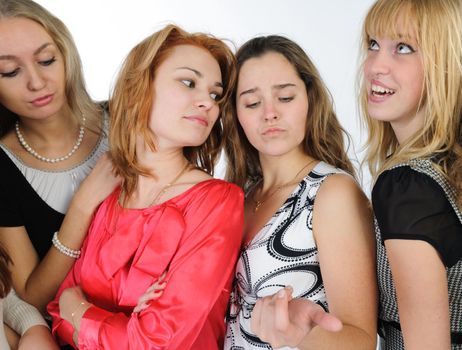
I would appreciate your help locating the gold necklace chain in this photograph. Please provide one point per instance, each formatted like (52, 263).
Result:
(170, 184)
(259, 203)
(163, 189)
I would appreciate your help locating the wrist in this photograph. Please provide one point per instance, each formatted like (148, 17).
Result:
(77, 314)
(82, 205)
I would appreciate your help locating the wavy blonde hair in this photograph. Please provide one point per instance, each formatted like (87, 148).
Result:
(324, 137)
(78, 99)
(436, 26)
(132, 98)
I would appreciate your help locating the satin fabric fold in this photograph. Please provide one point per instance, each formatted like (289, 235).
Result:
(195, 237)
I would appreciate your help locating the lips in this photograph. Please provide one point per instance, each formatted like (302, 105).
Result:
(42, 101)
(272, 131)
(198, 119)
(379, 92)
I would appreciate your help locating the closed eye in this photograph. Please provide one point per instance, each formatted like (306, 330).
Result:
(48, 62)
(252, 105)
(10, 74)
(286, 99)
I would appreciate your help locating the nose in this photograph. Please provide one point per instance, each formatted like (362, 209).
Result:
(377, 63)
(204, 101)
(270, 113)
(35, 79)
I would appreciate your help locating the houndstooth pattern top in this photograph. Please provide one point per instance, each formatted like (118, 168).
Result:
(422, 188)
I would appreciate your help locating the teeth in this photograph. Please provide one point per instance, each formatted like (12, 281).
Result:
(381, 90)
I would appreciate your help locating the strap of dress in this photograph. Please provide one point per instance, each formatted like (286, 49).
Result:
(427, 167)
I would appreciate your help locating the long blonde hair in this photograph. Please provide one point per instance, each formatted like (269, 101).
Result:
(437, 27)
(131, 101)
(77, 96)
(324, 137)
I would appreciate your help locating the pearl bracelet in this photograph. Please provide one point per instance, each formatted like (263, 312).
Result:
(72, 253)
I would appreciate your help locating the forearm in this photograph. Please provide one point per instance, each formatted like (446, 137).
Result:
(44, 281)
(349, 338)
(37, 338)
(19, 315)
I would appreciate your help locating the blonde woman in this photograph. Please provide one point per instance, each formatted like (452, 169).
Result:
(51, 136)
(411, 99)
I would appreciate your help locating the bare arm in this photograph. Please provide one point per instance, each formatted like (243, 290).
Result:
(343, 230)
(421, 286)
(37, 281)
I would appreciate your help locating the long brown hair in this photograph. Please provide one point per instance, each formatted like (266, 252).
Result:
(5, 274)
(131, 101)
(324, 137)
(437, 28)
(78, 99)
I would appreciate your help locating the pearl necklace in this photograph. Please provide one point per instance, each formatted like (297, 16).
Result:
(33, 152)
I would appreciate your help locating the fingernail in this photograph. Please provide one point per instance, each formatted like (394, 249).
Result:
(281, 294)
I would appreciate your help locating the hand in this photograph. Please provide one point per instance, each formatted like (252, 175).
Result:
(152, 293)
(98, 185)
(70, 302)
(282, 321)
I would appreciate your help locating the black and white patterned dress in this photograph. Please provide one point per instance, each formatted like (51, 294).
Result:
(282, 253)
(413, 201)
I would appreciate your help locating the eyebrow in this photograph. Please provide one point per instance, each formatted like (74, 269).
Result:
(274, 87)
(36, 52)
(199, 74)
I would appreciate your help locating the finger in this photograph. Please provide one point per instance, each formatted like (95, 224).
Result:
(255, 320)
(281, 310)
(162, 277)
(289, 292)
(325, 320)
(140, 307)
(146, 297)
(156, 286)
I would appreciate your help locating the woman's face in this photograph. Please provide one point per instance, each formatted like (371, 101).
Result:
(272, 104)
(394, 76)
(187, 86)
(32, 74)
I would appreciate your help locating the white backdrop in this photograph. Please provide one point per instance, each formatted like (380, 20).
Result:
(328, 30)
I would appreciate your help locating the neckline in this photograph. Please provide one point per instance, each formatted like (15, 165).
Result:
(116, 194)
(101, 137)
(270, 221)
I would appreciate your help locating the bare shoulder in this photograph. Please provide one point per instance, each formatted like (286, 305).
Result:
(340, 189)
(340, 204)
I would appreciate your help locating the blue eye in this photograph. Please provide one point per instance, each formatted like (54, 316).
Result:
(10, 74)
(48, 62)
(373, 45)
(404, 48)
(189, 83)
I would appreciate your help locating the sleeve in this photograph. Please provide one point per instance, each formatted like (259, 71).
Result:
(19, 315)
(411, 205)
(60, 328)
(9, 205)
(199, 273)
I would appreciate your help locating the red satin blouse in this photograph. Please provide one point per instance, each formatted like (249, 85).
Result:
(196, 236)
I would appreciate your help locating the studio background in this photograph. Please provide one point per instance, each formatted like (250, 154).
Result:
(328, 30)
